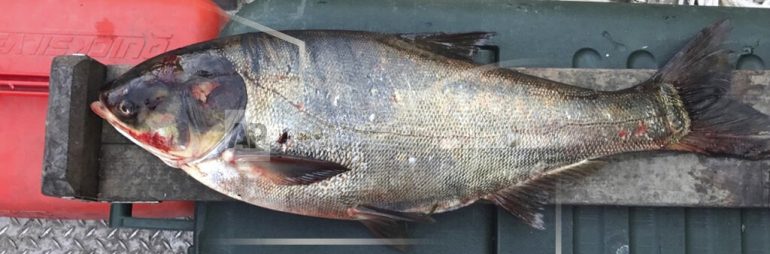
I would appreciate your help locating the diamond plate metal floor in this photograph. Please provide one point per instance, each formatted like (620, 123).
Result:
(32, 236)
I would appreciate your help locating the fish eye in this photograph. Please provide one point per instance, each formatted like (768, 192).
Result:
(126, 108)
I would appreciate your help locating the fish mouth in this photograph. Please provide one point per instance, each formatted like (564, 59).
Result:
(99, 109)
(102, 111)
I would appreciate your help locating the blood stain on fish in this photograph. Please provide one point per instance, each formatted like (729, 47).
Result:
(153, 139)
(641, 129)
(300, 106)
(622, 133)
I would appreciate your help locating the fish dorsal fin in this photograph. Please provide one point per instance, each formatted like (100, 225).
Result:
(526, 200)
(283, 169)
(455, 45)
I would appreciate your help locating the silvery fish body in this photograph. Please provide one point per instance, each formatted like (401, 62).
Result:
(381, 127)
(420, 132)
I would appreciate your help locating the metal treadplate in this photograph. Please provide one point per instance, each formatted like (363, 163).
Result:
(32, 236)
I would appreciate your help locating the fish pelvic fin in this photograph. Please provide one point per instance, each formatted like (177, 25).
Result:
(526, 200)
(713, 124)
(372, 212)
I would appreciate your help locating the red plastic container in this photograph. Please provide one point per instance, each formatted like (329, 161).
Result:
(113, 32)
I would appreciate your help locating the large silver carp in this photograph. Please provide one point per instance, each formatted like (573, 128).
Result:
(394, 127)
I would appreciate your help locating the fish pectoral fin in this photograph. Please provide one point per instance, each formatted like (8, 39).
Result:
(289, 170)
(284, 169)
(388, 224)
(456, 45)
(526, 200)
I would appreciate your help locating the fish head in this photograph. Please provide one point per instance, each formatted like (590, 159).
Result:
(179, 107)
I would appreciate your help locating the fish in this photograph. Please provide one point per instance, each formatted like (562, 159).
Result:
(390, 128)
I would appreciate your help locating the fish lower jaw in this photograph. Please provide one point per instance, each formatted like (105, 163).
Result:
(99, 109)
(168, 159)
(172, 163)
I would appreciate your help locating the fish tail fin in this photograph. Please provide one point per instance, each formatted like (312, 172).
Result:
(700, 75)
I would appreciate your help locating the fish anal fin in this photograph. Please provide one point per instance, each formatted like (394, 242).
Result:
(455, 45)
(387, 224)
(388, 229)
(283, 169)
(526, 200)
